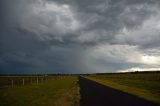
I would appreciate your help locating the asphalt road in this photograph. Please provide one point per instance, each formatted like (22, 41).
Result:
(95, 94)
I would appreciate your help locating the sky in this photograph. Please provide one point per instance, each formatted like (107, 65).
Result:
(79, 36)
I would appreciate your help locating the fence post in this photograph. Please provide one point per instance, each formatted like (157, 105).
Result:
(31, 80)
(23, 81)
(37, 80)
(12, 83)
(42, 80)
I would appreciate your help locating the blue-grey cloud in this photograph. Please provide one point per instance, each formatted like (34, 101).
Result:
(72, 36)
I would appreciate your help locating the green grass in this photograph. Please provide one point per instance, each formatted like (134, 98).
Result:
(144, 85)
(59, 92)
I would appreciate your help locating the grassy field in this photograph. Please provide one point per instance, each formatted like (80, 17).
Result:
(6, 81)
(60, 92)
(144, 85)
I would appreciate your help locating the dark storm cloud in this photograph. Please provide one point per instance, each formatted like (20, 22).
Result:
(51, 36)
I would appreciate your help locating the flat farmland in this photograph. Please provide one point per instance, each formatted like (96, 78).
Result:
(10, 81)
(116, 89)
(55, 91)
(143, 85)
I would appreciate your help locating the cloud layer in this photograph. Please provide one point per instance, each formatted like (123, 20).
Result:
(72, 36)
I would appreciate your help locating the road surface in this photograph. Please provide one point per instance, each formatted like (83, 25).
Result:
(95, 94)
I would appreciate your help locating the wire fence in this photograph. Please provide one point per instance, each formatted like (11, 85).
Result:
(12, 81)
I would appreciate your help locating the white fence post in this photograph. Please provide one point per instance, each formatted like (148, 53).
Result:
(23, 81)
(31, 80)
(12, 83)
(37, 80)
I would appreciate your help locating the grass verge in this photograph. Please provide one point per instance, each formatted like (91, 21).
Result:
(146, 89)
(59, 92)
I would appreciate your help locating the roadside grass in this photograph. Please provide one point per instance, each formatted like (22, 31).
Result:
(59, 92)
(146, 86)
